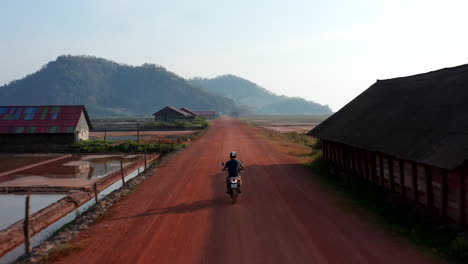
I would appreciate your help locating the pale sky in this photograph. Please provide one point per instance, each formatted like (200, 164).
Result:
(326, 51)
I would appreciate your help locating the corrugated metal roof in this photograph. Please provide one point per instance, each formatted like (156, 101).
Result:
(41, 119)
(188, 111)
(169, 110)
(421, 118)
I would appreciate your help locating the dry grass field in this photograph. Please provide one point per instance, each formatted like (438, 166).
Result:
(285, 124)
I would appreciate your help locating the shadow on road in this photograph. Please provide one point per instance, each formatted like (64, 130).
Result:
(182, 208)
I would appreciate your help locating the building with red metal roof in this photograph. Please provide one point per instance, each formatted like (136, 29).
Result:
(42, 128)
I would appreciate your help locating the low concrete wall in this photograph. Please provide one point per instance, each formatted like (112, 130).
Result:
(13, 236)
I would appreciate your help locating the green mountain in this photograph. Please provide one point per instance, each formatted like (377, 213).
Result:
(257, 98)
(107, 88)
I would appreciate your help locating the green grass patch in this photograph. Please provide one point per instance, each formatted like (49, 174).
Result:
(284, 118)
(101, 146)
(198, 123)
(393, 214)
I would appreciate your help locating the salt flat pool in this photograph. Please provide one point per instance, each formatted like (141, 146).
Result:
(12, 206)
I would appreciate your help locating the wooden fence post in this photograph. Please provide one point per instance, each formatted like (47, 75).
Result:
(105, 136)
(95, 193)
(122, 173)
(145, 159)
(27, 239)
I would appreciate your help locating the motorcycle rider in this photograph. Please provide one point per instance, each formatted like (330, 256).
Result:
(233, 167)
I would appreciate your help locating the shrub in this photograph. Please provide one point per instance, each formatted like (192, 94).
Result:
(197, 123)
(99, 146)
(459, 248)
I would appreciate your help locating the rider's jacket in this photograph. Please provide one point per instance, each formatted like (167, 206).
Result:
(233, 167)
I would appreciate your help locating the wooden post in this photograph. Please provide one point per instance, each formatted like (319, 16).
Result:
(105, 136)
(324, 151)
(346, 159)
(402, 178)
(333, 153)
(350, 151)
(338, 156)
(362, 163)
(341, 156)
(429, 191)
(366, 165)
(27, 239)
(462, 202)
(374, 167)
(122, 173)
(391, 177)
(145, 158)
(414, 170)
(444, 202)
(95, 193)
(352, 155)
(355, 162)
(172, 141)
(382, 178)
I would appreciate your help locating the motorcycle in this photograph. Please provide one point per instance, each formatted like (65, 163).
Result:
(233, 187)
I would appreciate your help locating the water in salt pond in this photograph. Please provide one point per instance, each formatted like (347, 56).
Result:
(12, 206)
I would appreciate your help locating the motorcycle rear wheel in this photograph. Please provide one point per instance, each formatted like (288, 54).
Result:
(234, 193)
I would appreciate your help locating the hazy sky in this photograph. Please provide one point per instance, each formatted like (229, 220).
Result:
(326, 51)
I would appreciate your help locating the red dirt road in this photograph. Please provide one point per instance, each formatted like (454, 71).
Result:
(182, 214)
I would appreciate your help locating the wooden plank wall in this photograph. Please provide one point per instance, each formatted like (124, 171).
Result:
(441, 190)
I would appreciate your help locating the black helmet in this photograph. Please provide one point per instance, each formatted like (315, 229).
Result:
(233, 154)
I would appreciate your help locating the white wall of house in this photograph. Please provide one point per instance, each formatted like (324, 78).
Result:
(82, 129)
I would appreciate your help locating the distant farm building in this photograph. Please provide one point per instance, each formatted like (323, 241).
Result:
(188, 111)
(409, 135)
(208, 114)
(42, 128)
(171, 114)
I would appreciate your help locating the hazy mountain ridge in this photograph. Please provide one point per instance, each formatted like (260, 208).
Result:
(110, 89)
(257, 98)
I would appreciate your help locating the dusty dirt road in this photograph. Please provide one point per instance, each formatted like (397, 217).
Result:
(182, 214)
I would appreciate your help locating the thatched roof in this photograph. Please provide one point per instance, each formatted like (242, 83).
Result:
(421, 118)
